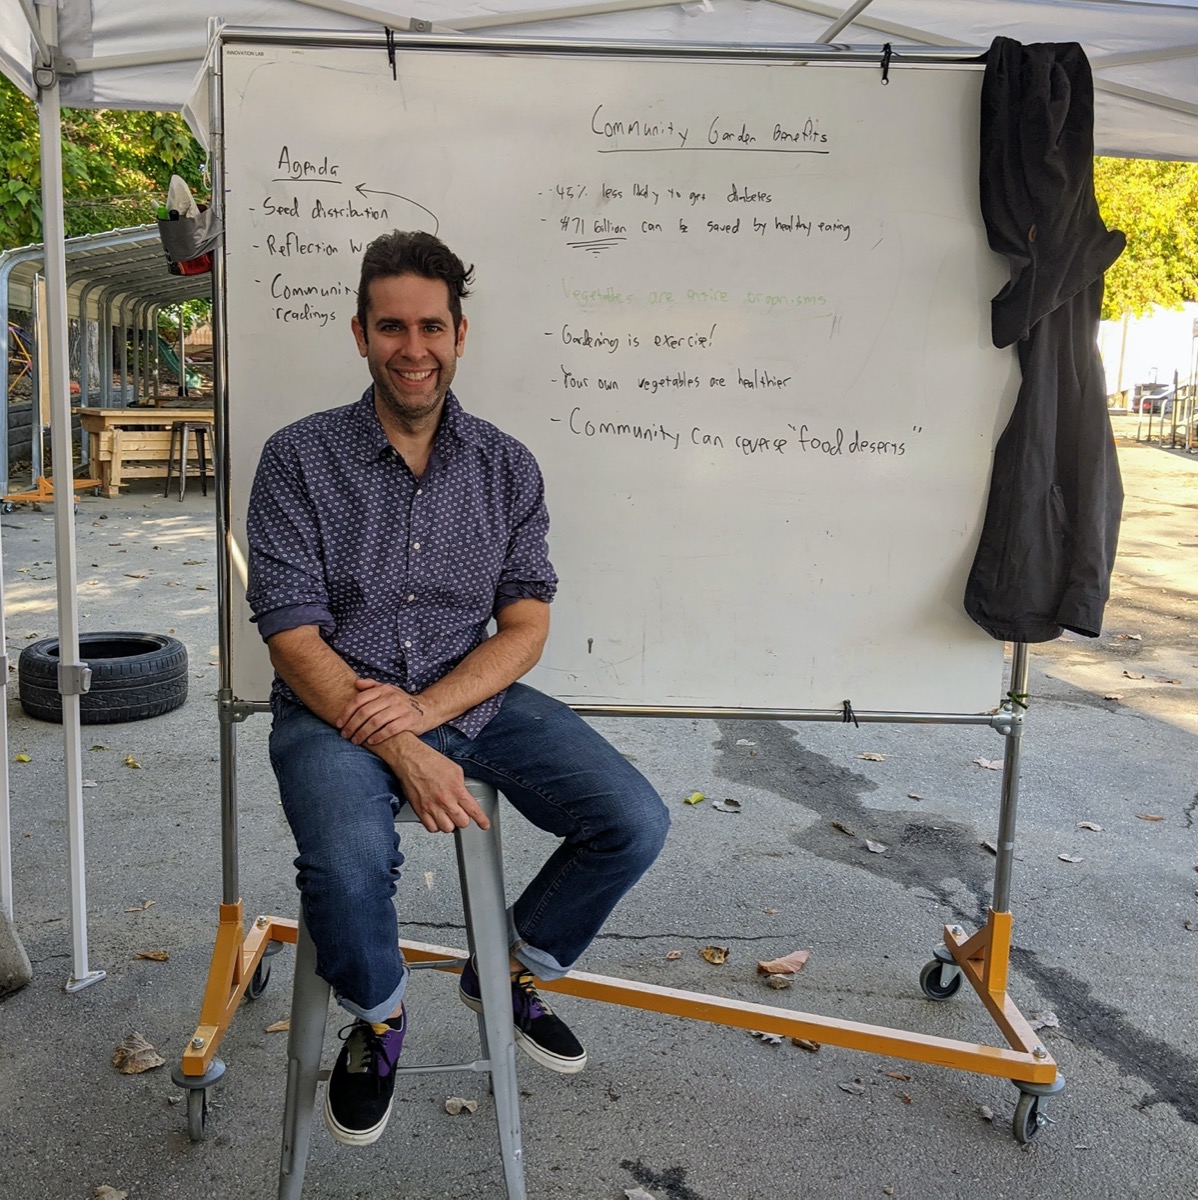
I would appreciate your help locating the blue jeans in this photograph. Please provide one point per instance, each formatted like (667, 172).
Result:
(341, 801)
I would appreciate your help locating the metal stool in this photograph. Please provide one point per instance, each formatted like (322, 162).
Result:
(177, 456)
(480, 870)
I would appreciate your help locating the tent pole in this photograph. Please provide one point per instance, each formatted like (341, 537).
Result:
(73, 676)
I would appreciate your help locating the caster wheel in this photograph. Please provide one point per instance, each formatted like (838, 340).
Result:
(197, 1113)
(6, 507)
(938, 981)
(1028, 1118)
(260, 979)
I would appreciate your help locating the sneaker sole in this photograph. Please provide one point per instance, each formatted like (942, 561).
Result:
(538, 1053)
(354, 1137)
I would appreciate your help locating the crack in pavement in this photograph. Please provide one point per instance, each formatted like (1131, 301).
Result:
(925, 850)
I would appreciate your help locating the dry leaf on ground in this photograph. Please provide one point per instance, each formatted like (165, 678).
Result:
(914, 796)
(130, 761)
(897, 1075)
(638, 1194)
(1113, 696)
(805, 1044)
(1150, 816)
(694, 798)
(853, 1089)
(778, 982)
(1132, 675)
(987, 1114)
(673, 955)
(1069, 857)
(1044, 1020)
(716, 955)
(989, 846)
(135, 1055)
(282, 1026)
(770, 1039)
(745, 742)
(153, 955)
(872, 756)
(1093, 826)
(142, 906)
(104, 1192)
(89, 783)
(457, 1104)
(789, 964)
(875, 847)
(1191, 925)
(727, 805)
(991, 764)
(23, 758)
(1129, 637)
(843, 828)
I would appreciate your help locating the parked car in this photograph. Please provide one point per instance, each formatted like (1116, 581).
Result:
(1157, 399)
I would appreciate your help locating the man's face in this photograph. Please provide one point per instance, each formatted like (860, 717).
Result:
(410, 344)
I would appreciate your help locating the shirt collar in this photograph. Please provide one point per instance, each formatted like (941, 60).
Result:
(454, 431)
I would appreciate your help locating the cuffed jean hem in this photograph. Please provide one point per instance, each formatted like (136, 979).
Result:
(542, 964)
(380, 1012)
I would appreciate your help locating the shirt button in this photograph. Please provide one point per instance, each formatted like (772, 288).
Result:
(411, 597)
(415, 545)
(420, 491)
(408, 645)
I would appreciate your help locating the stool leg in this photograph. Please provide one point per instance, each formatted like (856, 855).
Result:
(480, 865)
(170, 462)
(183, 463)
(309, 1011)
(201, 438)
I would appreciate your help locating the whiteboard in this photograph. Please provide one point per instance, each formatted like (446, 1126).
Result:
(738, 310)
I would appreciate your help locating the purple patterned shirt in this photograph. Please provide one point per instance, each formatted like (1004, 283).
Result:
(401, 574)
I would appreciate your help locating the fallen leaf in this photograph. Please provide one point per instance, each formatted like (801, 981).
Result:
(1091, 825)
(853, 1089)
(914, 796)
(104, 1192)
(135, 1055)
(905, 1098)
(875, 847)
(989, 846)
(1131, 675)
(843, 828)
(1130, 637)
(97, 747)
(991, 764)
(1191, 925)
(987, 1114)
(694, 798)
(897, 1075)
(153, 955)
(456, 1104)
(805, 1044)
(727, 805)
(89, 783)
(200, 587)
(872, 756)
(637, 1194)
(1113, 696)
(770, 912)
(1150, 816)
(1044, 1020)
(745, 742)
(1166, 679)
(770, 1039)
(130, 761)
(789, 964)
(1069, 857)
(279, 1026)
(888, 1190)
(673, 955)
(194, 562)
(142, 906)
(429, 879)
(778, 982)
(134, 575)
(23, 758)
(716, 955)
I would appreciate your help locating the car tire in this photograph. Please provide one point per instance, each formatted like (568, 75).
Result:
(134, 676)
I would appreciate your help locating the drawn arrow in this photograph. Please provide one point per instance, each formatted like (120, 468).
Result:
(364, 191)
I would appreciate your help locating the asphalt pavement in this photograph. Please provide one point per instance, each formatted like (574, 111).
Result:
(1105, 953)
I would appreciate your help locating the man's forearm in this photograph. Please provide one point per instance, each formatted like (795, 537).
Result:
(313, 670)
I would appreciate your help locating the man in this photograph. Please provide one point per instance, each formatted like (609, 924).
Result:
(384, 536)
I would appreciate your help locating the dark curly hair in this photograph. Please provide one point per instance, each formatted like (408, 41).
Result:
(414, 252)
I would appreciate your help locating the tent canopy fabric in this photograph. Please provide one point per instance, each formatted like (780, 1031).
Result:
(1144, 55)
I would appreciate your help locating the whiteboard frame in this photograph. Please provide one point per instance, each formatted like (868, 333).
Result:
(421, 36)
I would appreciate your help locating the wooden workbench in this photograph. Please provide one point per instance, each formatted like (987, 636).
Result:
(132, 443)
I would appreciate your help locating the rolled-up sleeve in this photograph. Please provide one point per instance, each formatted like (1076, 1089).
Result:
(527, 572)
(287, 586)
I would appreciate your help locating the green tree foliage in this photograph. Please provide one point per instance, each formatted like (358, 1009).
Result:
(1156, 206)
(115, 166)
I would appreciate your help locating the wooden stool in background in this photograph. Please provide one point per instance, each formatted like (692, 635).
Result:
(177, 458)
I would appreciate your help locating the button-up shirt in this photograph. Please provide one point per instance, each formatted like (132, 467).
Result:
(402, 575)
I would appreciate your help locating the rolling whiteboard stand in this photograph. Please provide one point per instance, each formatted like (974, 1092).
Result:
(722, 302)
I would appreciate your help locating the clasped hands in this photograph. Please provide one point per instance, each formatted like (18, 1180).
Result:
(378, 717)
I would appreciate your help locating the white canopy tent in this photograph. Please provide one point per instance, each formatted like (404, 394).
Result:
(125, 54)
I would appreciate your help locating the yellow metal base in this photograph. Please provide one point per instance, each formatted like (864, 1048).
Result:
(982, 958)
(44, 491)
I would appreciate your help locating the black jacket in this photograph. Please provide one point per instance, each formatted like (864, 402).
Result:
(1052, 520)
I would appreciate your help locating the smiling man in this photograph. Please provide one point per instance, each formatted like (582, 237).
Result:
(385, 536)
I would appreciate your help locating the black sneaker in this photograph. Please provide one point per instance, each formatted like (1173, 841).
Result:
(542, 1035)
(357, 1101)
